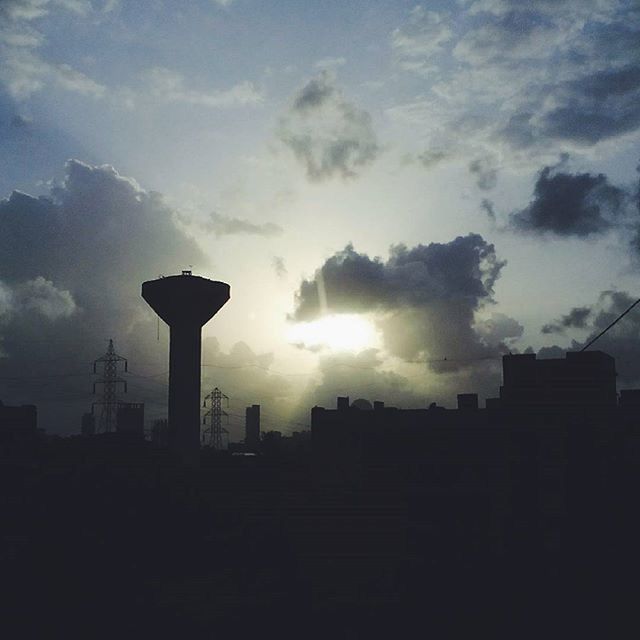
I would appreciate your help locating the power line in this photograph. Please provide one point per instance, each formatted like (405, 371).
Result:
(622, 315)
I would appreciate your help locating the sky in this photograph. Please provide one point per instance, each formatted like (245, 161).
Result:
(397, 193)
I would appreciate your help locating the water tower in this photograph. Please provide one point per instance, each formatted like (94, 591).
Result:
(185, 303)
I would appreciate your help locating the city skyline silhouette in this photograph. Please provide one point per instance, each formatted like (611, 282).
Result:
(417, 412)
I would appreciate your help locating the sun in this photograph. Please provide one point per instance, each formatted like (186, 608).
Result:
(343, 332)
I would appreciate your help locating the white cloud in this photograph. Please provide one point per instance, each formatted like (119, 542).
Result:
(422, 37)
(328, 134)
(330, 63)
(39, 296)
(22, 69)
(522, 79)
(24, 72)
(17, 10)
(170, 86)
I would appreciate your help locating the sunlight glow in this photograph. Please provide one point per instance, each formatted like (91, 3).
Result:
(345, 332)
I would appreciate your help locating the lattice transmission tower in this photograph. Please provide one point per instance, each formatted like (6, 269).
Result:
(213, 436)
(110, 381)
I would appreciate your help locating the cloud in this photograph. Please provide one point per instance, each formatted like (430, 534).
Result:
(170, 86)
(621, 341)
(566, 204)
(431, 157)
(224, 226)
(279, 267)
(595, 107)
(22, 69)
(23, 9)
(19, 10)
(499, 329)
(361, 375)
(509, 76)
(41, 296)
(485, 172)
(425, 298)
(502, 7)
(488, 207)
(73, 262)
(330, 63)
(327, 134)
(247, 378)
(420, 39)
(577, 318)
(525, 32)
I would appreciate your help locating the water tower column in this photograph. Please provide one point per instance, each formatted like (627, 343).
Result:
(184, 390)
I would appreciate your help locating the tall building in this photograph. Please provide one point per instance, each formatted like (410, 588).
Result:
(18, 432)
(252, 428)
(582, 379)
(131, 418)
(23, 418)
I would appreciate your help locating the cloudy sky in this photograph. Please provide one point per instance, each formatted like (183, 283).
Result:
(398, 193)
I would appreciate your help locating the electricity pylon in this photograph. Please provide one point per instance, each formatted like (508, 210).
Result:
(214, 415)
(110, 380)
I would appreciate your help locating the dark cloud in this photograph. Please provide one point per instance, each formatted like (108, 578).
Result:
(71, 268)
(39, 296)
(224, 226)
(576, 318)
(431, 158)
(485, 172)
(499, 329)
(279, 266)
(621, 341)
(314, 94)
(550, 352)
(519, 30)
(465, 268)
(71, 265)
(596, 107)
(536, 75)
(97, 218)
(488, 207)
(328, 135)
(425, 297)
(567, 204)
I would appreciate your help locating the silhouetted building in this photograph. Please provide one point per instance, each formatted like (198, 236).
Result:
(18, 431)
(252, 428)
(20, 419)
(467, 401)
(160, 433)
(582, 379)
(630, 398)
(130, 418)
(88, 424)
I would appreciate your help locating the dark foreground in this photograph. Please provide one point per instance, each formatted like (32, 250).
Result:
(106, 537)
